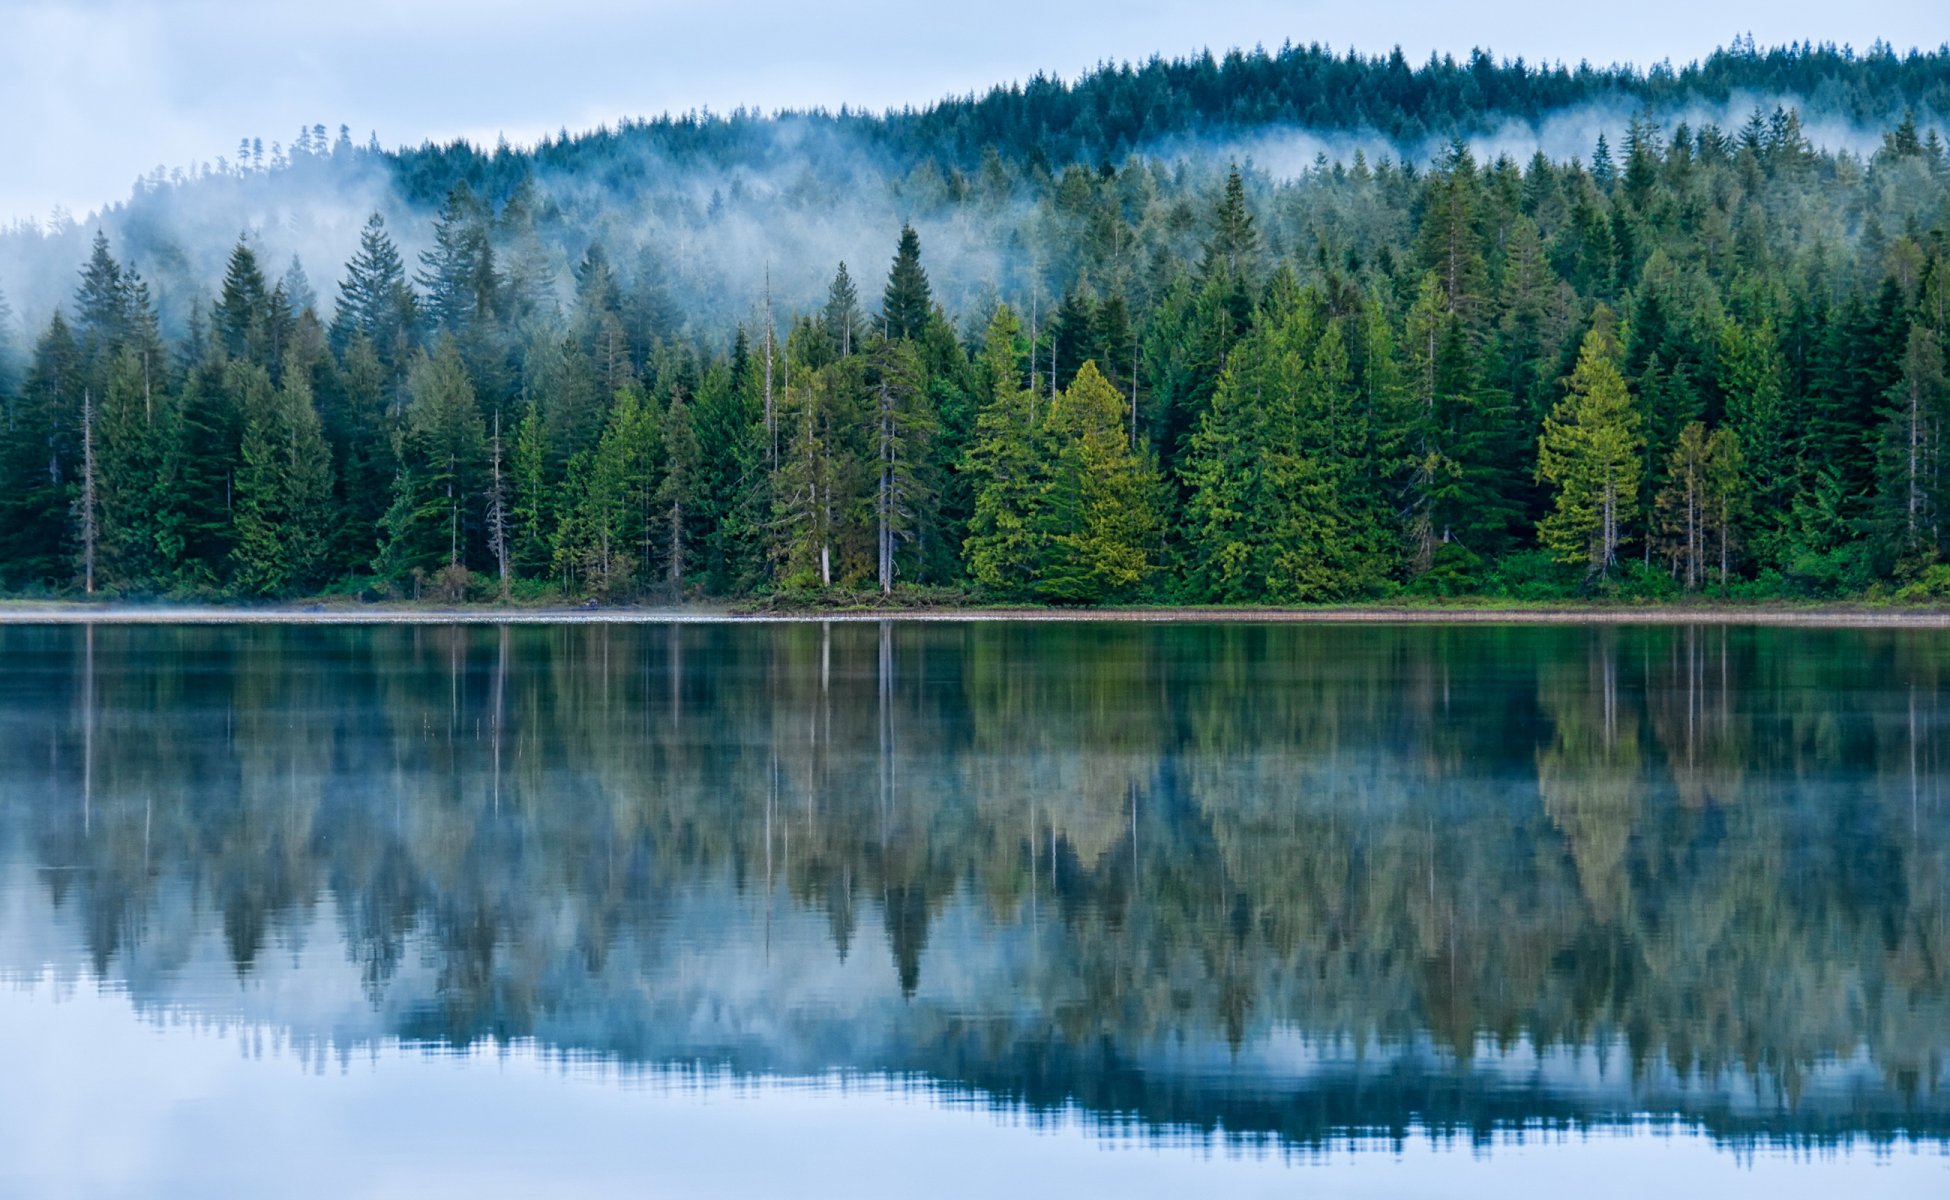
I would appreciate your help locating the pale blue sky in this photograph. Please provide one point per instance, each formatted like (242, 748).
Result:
(96, 92)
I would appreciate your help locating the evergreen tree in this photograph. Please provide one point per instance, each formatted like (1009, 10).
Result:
(841, 319)
(906, 306)
(102, 300)
(42, 464)
(1006, 540)
(1915, 472)
(679, 494)
(1696, 508)
(1590, 451)
(374, 299)
(1754, 380)
(1103, 515)
(141, 539)
(903, 426)
(1233, 248)
(532, 505)
(436, 497)
(1280, 509)
(457, 275)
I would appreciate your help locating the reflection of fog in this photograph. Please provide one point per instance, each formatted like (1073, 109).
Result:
(1285, 881)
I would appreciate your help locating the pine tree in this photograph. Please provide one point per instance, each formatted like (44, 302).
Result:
(1695, 509)
(499, 520)
(1280, 508)
(609, 492)
(841, 319)
(1754, 379)
(1915, 472)
(374, 298)
(259, 557)
(677, 497)
(1233, 248)
(906, 306)
(532, 507)
(1005, 540)
(87, 511)
(903, 425)
(41, 461)
(1103, 515)
(141, 539)
(442, 455)
(102, 300)
(1590, 450)
(457, 275)
(307, 479)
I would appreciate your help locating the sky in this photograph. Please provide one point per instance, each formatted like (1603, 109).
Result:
(97, 92)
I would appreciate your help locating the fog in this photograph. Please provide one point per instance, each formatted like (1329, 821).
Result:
(770, 211)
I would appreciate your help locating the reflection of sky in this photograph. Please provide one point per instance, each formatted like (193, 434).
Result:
(760, 1001)
(102, 1103)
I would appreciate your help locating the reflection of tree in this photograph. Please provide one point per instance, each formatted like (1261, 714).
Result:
(1723, 847)
(1589, 774)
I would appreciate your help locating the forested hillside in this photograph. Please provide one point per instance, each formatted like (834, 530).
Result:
(1077, 366)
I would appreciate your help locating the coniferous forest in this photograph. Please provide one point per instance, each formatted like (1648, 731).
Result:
(1102, 352)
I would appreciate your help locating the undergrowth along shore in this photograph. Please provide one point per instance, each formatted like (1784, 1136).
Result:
(849, 607)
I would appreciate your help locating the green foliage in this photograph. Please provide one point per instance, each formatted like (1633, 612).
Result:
(437, 499)
(1358, 379)
(1590, 450)
(1101, 517)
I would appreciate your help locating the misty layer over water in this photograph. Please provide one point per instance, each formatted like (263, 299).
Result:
(1283, 886)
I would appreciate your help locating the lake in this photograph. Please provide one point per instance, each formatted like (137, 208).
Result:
(872, 909)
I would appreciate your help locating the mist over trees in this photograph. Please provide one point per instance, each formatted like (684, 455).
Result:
(1013, 347)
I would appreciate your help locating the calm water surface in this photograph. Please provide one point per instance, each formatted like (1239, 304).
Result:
(1069, 909)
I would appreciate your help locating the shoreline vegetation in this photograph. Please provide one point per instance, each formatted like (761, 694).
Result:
(1783, 614)
(1712, 360)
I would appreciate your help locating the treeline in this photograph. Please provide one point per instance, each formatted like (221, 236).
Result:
(1122, 109)
(1707, 359)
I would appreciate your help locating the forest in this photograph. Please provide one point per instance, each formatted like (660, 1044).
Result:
(1703, 359)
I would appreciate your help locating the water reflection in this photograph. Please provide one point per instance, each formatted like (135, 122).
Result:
(1289, 884)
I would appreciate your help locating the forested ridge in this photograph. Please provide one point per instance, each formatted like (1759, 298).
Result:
(1701, 359)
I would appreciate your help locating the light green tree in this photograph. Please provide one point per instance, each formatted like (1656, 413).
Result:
(1103, 515)
(1589, 451)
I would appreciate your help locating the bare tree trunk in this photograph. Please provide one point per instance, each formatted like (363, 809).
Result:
(498, 512)
(90, 522)
(771, 424)
(674, 571)
(884, 502)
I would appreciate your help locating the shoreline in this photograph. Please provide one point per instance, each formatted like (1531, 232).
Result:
(1838, 616)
